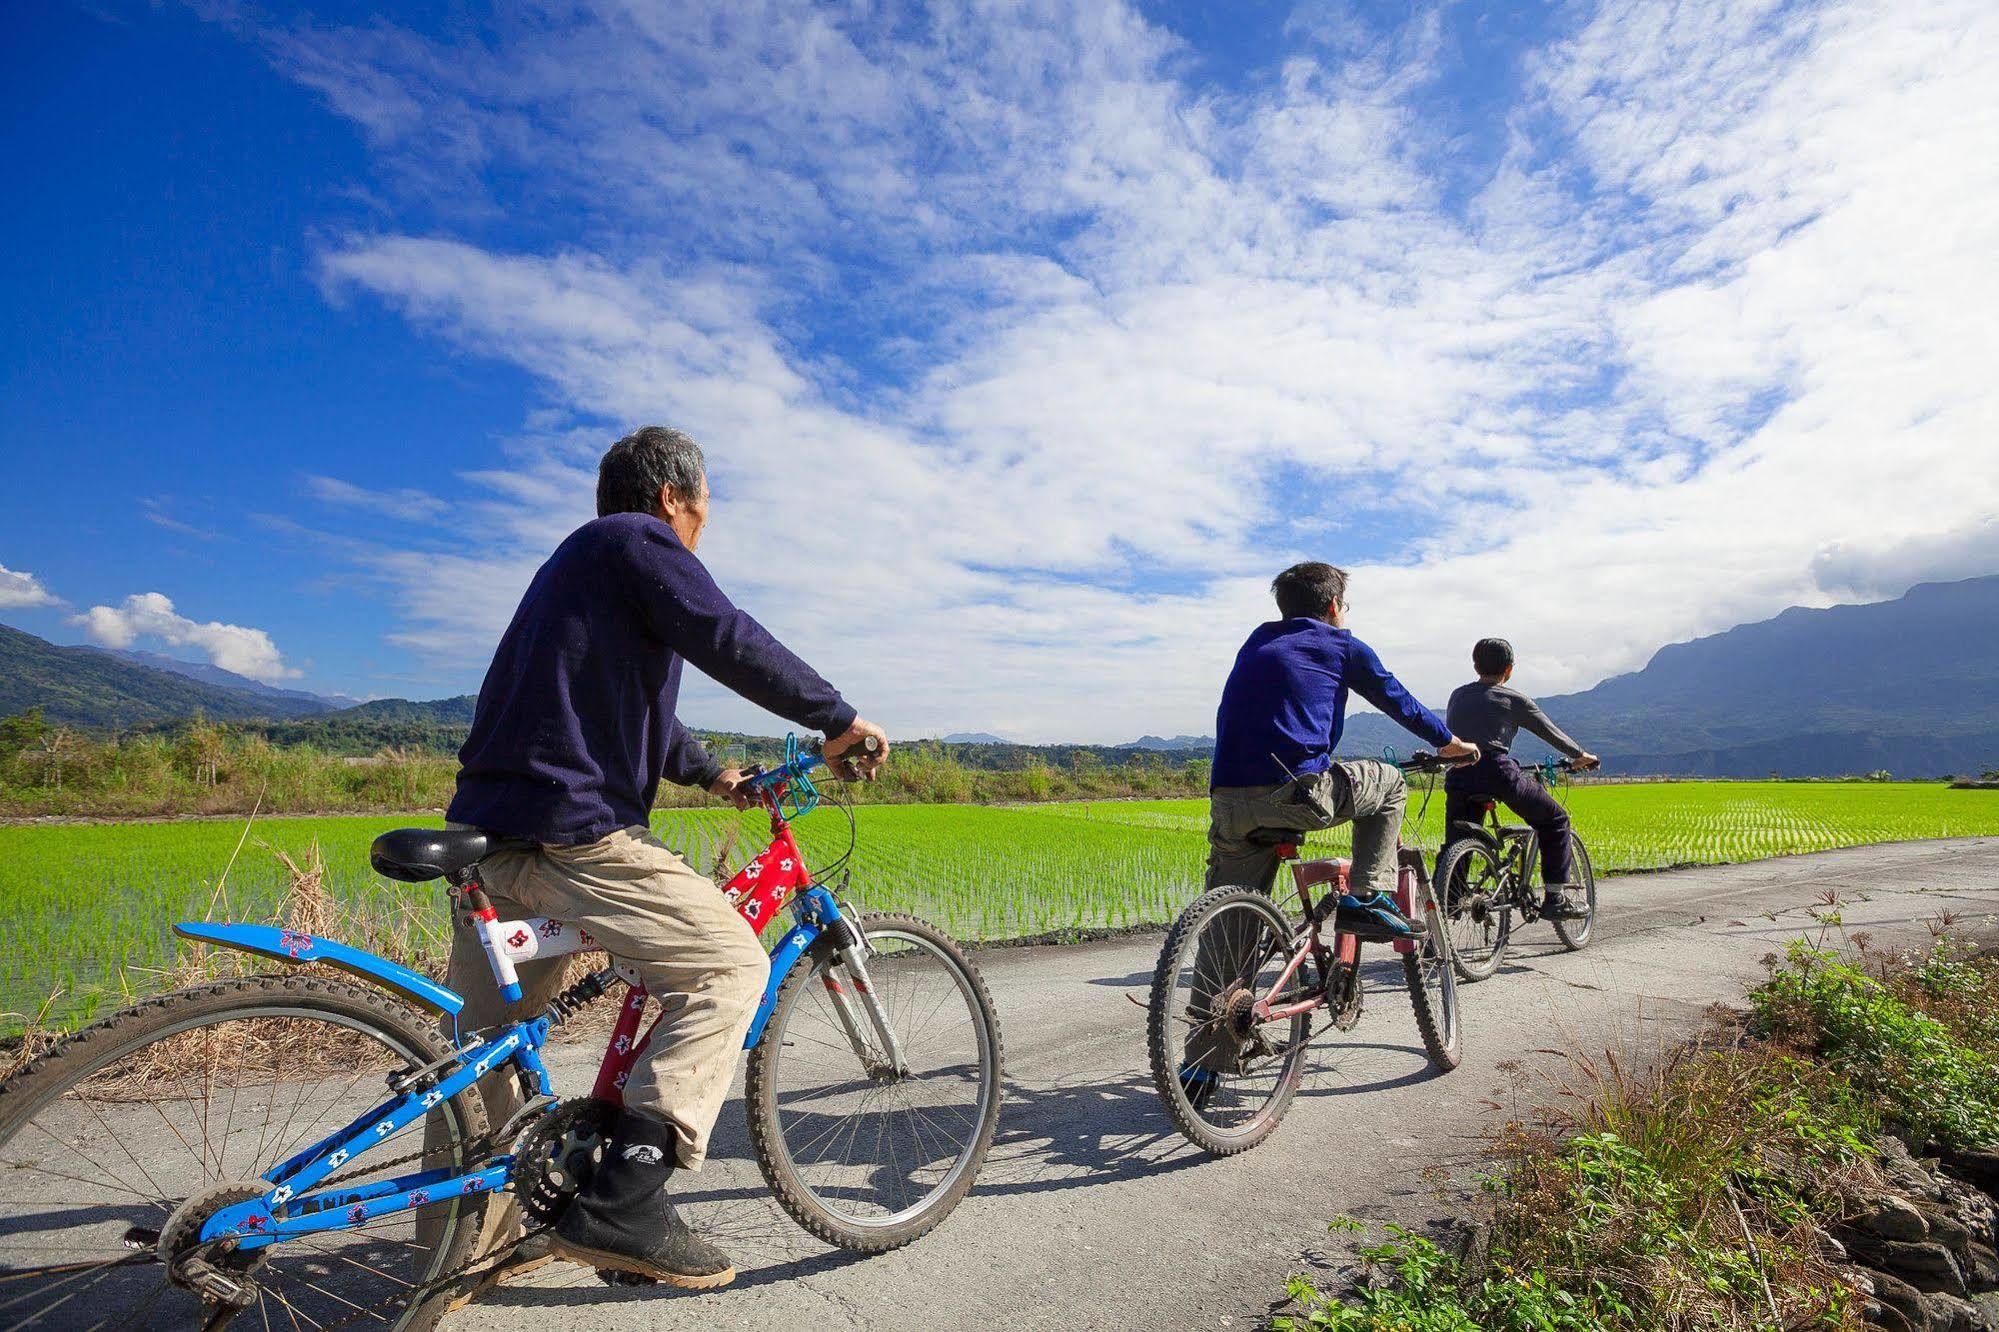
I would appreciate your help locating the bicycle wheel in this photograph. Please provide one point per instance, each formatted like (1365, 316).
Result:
(117, 1144)
(1433, 991)
(1576, 933)
(863, 1158)
(1478, 912)
(1226, 1080)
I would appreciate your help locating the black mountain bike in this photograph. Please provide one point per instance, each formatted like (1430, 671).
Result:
(1489, 873)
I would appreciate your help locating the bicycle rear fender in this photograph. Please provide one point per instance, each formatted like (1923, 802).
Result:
(292, 946)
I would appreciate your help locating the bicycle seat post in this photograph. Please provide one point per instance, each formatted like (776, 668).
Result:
(476, 908)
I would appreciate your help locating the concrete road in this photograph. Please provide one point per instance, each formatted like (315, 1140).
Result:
(1092, 1211)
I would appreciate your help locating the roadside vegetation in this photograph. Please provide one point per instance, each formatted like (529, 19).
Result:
(1707, 1189)
(216, 768)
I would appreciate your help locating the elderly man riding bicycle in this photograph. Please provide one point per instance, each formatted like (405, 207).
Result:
(574, 729)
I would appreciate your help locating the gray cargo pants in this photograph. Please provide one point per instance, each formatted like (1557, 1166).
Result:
(1367, 793)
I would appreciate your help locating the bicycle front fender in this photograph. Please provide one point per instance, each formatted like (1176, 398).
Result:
(817, 913)
(292, 946)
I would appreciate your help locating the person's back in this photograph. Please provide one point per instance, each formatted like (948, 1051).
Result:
(1491, 714)
(1284, 706)
(575, 721)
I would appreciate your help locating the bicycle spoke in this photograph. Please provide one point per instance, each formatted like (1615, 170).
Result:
(182, 1109)
(870, 1146)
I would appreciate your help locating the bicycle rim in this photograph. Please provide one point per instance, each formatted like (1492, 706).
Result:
(1576, 933)
(109, 1144)
(1477, 914)
(1227, 1080)
(865, 1160)
(1433, 992)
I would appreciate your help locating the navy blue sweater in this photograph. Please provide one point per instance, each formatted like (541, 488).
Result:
(1287, 696)
(575, 722)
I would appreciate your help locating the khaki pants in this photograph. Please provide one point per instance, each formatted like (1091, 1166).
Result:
(1367, 793)
(667, 921)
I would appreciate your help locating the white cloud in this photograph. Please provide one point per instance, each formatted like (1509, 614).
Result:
(1711, 336)
(23, 591)
(407, 504)
(248, 652)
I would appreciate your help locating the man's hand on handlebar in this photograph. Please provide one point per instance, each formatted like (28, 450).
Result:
(1584, 761)
(733, 786)
(1463, 751)
(857, 752)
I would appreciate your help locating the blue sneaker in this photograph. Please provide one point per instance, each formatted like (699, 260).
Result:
(1199, 1084)
(1375, 916)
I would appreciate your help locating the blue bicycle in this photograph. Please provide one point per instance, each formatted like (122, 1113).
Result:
(309, 1152)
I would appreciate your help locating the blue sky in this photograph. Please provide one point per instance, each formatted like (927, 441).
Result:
(1026, 341)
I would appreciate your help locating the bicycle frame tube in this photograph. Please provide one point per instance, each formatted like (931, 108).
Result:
(290, 1209)
(1301, 948)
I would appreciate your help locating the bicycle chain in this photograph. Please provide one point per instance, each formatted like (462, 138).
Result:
(476, 1267)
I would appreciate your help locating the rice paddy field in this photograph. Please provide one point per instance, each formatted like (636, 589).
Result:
(86, 909)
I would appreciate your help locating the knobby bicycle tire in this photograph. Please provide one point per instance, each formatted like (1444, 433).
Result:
(1181, 939)
(73, 1062)
(774, 1155)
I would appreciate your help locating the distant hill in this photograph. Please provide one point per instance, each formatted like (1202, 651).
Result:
(215, 675)
(1174, 745)
(81, 686)
(454, 711)
(1909, 685)
(975, 738)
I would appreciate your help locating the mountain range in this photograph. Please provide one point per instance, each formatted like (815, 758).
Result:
(1909, 685)
(215, 675)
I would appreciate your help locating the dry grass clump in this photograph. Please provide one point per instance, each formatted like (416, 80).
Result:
(265, 1050)
(1689, 1192)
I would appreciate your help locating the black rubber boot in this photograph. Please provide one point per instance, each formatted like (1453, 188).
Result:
(622, 1221)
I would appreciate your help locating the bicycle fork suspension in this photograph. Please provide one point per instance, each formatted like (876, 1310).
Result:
(883, 1056)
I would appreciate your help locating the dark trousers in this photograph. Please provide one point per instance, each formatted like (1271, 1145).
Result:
(1498, 777)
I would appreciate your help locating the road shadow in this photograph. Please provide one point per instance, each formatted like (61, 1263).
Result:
(1076, 1133)
(1081, 1132)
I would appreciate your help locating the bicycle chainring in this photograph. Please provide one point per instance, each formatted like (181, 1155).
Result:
(556, 1157)
(1346, 995)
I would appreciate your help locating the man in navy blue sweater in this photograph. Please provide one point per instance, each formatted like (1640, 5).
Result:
(1280, 720)
(574, 729)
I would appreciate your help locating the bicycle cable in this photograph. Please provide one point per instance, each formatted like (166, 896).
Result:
(845, 805)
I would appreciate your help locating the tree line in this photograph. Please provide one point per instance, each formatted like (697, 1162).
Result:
(202, 766)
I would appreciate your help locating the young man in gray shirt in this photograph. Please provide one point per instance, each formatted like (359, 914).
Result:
(1488, 714)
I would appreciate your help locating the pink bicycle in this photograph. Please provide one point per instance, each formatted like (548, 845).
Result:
(1239, 987)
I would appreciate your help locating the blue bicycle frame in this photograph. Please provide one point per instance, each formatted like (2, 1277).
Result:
(295, 1204)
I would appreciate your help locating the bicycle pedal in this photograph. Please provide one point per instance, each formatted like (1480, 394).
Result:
(612, 1277)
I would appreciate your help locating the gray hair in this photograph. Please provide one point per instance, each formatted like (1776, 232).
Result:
(635, 469)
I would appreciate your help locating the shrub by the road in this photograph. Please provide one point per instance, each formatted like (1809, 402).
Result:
(1695, 1192)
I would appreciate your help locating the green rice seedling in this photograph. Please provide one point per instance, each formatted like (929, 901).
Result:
(87, 909)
